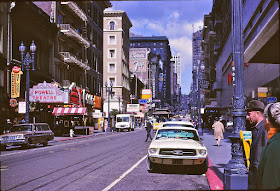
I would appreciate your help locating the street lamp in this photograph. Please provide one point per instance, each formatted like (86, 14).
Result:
(119, 104)
(25, 61)
(109, 90)
(199, 76)
(235, 172)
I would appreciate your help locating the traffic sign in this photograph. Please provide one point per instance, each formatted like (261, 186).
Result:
(143, 101)
(271, 99)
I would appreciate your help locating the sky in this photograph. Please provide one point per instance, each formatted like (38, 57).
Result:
(175, 19)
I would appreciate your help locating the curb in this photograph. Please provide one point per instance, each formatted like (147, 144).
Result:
(214, 181)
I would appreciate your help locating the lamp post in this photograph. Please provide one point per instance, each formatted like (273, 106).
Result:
(235, 172)
(199, 75)
(25, 61)
(109, 91)
(119, 105)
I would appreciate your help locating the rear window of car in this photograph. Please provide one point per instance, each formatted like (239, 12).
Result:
(42, 127)
(177, 134)
(21, 128)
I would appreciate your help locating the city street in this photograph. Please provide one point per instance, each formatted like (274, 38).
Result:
(109, 161)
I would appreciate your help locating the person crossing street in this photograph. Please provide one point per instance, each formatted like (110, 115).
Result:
(149, 128)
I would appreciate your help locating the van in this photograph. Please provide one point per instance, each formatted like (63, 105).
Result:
(125, 121)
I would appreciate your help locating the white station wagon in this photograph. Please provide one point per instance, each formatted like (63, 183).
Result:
(177, 146)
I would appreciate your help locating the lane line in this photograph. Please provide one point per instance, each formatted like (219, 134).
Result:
(124, 174)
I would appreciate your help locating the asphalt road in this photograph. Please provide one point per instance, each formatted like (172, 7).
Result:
(113, 161)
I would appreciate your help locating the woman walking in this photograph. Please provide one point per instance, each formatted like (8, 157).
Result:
(218, 131)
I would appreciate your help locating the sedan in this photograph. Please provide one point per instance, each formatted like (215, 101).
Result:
(177, 146)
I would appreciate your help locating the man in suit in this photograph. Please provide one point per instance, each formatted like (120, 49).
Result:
(255, 117)
(149, 128)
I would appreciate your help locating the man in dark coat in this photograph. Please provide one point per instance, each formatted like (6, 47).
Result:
(259, 139)
(149, 128)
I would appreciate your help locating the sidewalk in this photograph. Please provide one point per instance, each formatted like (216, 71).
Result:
(67, 137)
(218, 156)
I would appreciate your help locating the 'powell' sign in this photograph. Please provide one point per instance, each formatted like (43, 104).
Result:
(47, 93)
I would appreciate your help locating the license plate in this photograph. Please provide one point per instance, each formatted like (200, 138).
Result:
(177, 161)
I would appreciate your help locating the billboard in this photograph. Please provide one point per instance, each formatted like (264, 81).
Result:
(47, 93)
(146, 94)
(133, 108)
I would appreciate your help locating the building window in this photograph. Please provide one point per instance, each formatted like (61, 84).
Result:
(112, 67)
(161, 44)
(112, 25)
(112, 39)
(112, 53)
(113, 80)
(155, 44)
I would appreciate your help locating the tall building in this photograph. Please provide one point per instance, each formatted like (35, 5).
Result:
(177, 67)
(116, 59)
(158, 45)
(197, 60)
(261, 51)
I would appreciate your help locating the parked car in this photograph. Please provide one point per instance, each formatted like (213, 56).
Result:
(178, 124)
(26, 135)
(177, 146)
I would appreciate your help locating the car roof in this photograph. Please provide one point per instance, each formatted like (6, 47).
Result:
(179, 122)
(178, 127)
(30, 124)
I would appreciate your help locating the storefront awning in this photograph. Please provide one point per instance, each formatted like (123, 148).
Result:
(69, 111)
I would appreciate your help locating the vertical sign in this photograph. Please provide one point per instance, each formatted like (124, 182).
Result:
(15, 82)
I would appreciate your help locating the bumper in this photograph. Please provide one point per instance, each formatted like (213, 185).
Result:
(13, 142)
(177, 160)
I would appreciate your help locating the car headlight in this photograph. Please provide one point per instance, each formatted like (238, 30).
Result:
(202, 152)
(20, 137)
(152, 151)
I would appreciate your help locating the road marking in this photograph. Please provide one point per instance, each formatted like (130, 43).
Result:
(124, 174)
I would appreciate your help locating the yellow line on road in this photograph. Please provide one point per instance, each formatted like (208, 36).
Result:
(124, 174)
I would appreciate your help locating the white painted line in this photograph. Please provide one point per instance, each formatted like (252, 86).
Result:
(124, 174)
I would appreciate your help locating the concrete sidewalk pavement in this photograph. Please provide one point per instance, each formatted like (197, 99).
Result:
(218, 156)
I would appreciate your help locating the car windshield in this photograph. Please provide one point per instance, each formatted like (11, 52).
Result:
(177, 134)
(177, 125)
(122, 119)
(21, 128)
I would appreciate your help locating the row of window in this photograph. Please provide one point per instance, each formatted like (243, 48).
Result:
(147, 44)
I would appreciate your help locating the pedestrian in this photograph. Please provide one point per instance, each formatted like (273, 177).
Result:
(269, 166)
(259, 139)
(219, 130)
(8, 125)
(149, 128)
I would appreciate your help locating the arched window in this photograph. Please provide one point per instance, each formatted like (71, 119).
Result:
(112, 25)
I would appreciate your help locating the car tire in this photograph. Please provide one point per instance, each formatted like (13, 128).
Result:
(25, 146)
(3, 147)
(202, 168)
(45, 143)
(152, 167)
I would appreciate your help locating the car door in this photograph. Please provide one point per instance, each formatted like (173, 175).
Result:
(39, 134)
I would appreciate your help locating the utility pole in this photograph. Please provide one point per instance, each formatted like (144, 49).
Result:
(235, 172)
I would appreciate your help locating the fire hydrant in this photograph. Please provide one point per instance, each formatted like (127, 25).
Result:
(71, 133)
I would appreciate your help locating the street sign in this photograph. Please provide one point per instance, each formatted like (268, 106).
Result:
(21, 107)
(13, 102)
(156, 100)
(142, 101)
(271, 99)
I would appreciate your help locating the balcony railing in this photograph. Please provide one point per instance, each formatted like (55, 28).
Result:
(68, 30)
(76, 9)
(70, 58)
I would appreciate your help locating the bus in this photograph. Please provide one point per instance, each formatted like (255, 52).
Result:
(125, 121)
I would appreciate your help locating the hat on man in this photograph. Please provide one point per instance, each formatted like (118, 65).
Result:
(255, 105)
